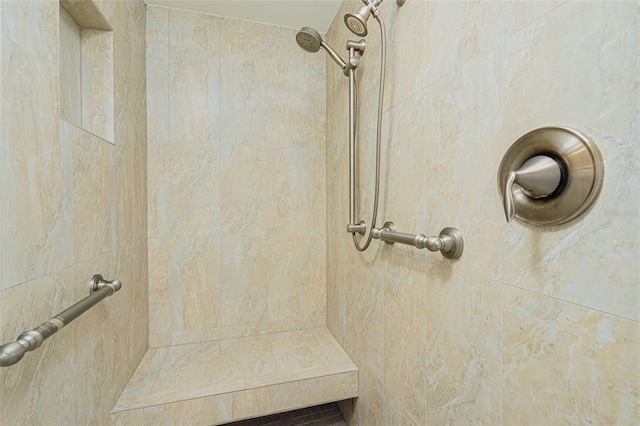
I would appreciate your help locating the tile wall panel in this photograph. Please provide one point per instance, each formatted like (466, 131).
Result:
(529, 325)
(239, 172)
(70, 209)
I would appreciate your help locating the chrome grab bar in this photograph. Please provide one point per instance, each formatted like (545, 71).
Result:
(99, 289)
(449, 242)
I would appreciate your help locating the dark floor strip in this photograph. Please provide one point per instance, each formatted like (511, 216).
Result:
(322, 415)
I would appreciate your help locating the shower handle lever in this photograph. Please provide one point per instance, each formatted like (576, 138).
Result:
(539, 177)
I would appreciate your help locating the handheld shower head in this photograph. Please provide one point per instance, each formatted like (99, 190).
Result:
(357, 22)
(309, 39)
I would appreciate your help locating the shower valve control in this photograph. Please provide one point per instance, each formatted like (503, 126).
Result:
(550, 176)
(539, 177)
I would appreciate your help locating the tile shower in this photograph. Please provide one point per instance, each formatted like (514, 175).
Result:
(227, 125)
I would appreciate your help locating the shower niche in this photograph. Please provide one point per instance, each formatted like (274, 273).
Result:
(86, 68)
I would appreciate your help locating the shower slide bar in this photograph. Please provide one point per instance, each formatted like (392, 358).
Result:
(449, 242)
(99, 289)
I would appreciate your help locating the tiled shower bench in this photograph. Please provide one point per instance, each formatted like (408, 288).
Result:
(223, 381)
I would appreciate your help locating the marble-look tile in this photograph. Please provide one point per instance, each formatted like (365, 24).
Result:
(295, 93)
(245, 357)
(143, 378)
(194, 30)
(194, 95)
(317, 391)
(194, 190)
(247, 404)
(157, 24)
(463, 350)
(201, 411)
(195, 285)
(548, 65)
(370, 402)
(458, 31)
(405, 333)
(159, 160)
(70, 69)
(141, 299)
(243, 289)
(405, 66)
(364, 294)
(126, 418)
(296, 178)
(98, 83)
(537, 67)
(87, 14)
(294, 283)
(518, 14)
(33, 25)
(241, 377)
(405, 174)
(395, 413)
(159, 267)
(463, 151)
(244, 55)
(36, 179)
(299, 350)
(567, 364)
(243, 200)
(157, 80)
(99, 354)
(93, 195)
(198, 366)
(41, 384)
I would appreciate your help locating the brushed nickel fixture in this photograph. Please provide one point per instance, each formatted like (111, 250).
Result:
(450, 242)
(99, 289)
(550, 176)
(311, 41)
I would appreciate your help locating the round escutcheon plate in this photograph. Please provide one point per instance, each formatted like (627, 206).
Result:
(582, 175)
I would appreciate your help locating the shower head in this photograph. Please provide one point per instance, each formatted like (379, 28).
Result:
(357, 22)
(309, 39)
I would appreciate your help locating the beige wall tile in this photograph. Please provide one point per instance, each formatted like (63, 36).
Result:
(200, 411)
(245, 56)
(93, 195)
(481, 75)
(194, 190)
(52, 173)
(157, 80)
(195, 283)
(160, 311)
(193, 95)
(405, 334)
(39, 384)
(517, 14)
(464, 127)
(157, 25)
(70, 69)
(538, 69)
(463, 349)
(36, 196)
(563, 363)
(98, 83)
(33, 25)
(242, 203)
(193, 30)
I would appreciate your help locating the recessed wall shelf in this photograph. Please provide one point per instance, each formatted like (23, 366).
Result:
(86, 68)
